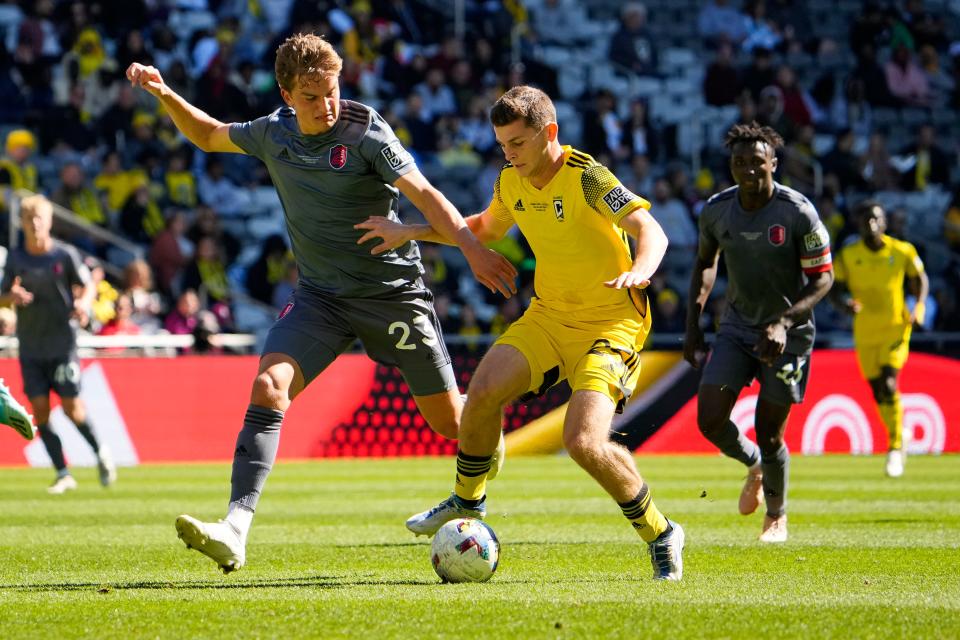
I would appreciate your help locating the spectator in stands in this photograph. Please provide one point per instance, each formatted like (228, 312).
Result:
(470, 327)
(874, 78)
(146, 304)
(207, 223)
(668, 316)
(928, 29)
(719, 22)
(181, 186)
(268, 269)
(602, 130)
(951, 223)
(114, 182)
(796, 101)
(906, 80)
(169, 251)
(141, 218)
(75, 195)
(559, 23)
(631, 46)
(770, 112)
(760, 73)
(206, 274)
(721, 82)
(184, 317)
(640, 178)
(843, 163)
(851, 110)
(66, 128)
(930, 166)
(16, 169)
(437, 97)
(867, 28)
(218, 191)
(674, 218)
(144, 141)
(122, 323)
(103, 306)
(878, 169)
(640, 136)
(941, 83)
(760, 30)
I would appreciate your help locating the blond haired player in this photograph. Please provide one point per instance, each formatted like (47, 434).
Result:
(870, 274)
(586, 323)
(334, 163)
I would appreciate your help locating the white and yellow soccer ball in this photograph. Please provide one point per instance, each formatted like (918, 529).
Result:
(465, 550)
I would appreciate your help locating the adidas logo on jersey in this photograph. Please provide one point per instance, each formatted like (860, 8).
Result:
(518, 206)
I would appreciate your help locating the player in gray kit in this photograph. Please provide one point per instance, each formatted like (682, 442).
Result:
(38, 280)
(334, 163)
(777, 254)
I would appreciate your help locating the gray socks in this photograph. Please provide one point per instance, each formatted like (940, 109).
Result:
(776, 474)
(735, 445)
(253, 458)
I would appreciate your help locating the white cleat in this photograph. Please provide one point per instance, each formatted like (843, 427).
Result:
(427, 522)
(895, 463)
(666, 554)
(108, 470)
(219, 541)
(62, 485)
(774, 529)
(14, 415)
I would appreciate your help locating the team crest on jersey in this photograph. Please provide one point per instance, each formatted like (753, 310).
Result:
(558, 209)
(338, 156)
(777, 234)
(57, 268)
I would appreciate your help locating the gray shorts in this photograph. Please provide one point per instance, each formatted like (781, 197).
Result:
(40, 375)
(400, 330)
(734, 364)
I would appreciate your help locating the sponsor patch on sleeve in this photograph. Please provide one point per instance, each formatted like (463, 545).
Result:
(618, 197)
(395, 155)
(816, 239)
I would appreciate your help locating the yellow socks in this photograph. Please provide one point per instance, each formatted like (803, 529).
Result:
(891, 413)
(644, 515)
(471, 476)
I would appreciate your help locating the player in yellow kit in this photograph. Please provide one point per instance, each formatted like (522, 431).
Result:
(870, 274)
(586, 323)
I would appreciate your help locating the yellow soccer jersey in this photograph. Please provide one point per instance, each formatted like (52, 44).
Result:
(875, 278)
(571, 225)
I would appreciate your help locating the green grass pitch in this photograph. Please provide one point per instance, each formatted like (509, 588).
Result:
(329, 557)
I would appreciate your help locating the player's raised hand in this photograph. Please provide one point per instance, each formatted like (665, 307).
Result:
(492, 270)
(146, 77)
(393, 234)
(21, 297)
(628, 279)
(694, 347)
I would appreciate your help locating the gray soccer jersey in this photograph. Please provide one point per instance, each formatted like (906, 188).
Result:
(44, 327)
(330, 182)
(766, 253)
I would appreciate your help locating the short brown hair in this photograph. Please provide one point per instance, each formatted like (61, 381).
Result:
(751, 133)
(305, 55)
(529, 103)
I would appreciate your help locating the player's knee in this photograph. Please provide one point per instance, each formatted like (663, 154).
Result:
(271, 390)
(485, 396)
(581, 447)
(710, 424)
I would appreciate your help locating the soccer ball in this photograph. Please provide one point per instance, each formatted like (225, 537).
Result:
(465, 550)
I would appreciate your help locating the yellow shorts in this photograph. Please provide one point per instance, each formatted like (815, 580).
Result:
(598, 355)
(890, 350)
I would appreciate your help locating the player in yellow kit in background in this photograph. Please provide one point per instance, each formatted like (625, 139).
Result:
(586, 323)
(870, 275)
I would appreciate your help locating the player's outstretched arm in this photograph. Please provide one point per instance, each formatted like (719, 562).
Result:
(201, 129)
(490, 268)
(651, 247)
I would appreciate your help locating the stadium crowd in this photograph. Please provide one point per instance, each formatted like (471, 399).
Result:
(869, 110)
